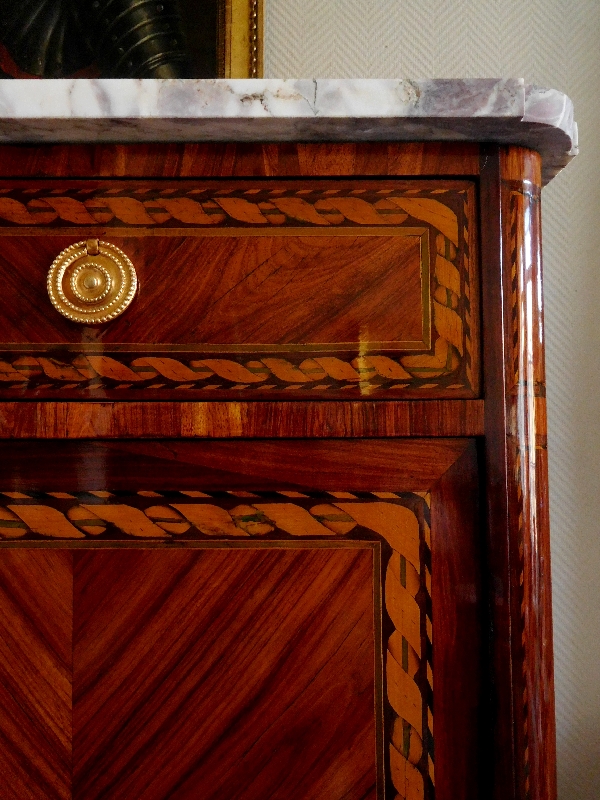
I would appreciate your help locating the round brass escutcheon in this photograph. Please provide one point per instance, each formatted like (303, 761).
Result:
(91, 282)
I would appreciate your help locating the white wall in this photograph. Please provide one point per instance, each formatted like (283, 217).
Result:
(553, 43)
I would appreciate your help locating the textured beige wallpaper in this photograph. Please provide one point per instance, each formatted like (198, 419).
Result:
(552, 43)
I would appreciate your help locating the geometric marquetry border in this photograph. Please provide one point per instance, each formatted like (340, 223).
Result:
(401, 521)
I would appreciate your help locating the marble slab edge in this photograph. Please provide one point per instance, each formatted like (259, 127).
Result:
(505, 111)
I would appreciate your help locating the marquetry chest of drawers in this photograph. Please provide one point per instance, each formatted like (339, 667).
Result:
(273, 502)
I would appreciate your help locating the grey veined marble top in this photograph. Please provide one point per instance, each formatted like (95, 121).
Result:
(505, 111)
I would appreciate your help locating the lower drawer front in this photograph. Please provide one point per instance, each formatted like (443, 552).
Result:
(264, 619)
(265, 289)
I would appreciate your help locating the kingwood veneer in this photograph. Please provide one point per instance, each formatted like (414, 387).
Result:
(280, 529)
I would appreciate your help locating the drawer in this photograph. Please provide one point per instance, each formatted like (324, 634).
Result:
(263, 620)
(256, 289)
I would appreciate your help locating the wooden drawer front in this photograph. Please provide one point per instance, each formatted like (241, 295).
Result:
(305, 622)
(260, 289)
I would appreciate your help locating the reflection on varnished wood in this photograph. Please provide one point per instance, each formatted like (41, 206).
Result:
(219, 465)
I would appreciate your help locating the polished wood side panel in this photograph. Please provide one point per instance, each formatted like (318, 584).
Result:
(517, 476)
(369, 419)
(239, 160)
(243, 674)
(254, 465)
(36, 621)
(526, 387)
(501, 700)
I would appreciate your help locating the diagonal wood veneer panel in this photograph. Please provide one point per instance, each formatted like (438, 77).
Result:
(35, 674)
(238, 674)
(185, 674)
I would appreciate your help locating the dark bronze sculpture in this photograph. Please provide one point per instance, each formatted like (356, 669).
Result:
(122, 38)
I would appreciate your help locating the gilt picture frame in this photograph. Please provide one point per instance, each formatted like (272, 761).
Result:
(242, 39)
(175, 39)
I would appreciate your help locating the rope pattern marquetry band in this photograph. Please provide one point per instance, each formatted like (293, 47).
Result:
(198, 207)
(243, 514)
(368, 374)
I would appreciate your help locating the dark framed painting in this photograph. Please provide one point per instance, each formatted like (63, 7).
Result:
(131, 38)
